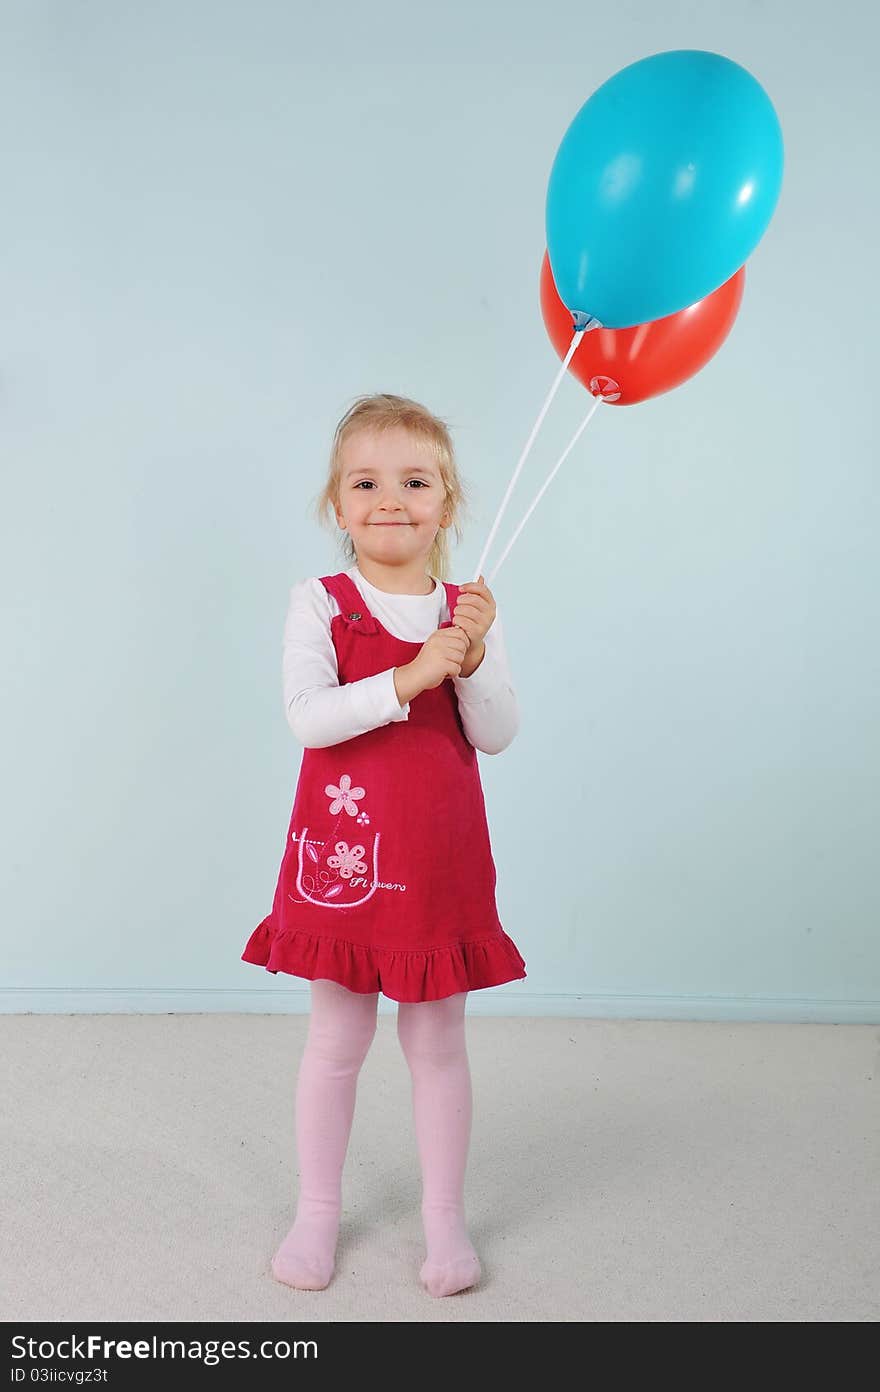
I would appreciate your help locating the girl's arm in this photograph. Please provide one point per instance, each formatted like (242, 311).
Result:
(319, 711)
(486, 699)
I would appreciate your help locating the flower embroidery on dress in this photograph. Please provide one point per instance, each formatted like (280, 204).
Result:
(344, 796)
(349, 871)
(348, 860)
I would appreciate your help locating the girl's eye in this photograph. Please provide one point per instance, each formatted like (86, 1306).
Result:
(420, 482)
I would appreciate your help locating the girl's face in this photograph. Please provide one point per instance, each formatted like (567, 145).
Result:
(391, 496)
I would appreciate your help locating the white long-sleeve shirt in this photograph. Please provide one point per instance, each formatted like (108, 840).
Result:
(320, 712)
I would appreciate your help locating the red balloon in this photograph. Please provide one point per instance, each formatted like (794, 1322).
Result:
(628, 365)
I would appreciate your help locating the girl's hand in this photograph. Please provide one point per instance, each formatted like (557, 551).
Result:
(440, 657)
(475, 612)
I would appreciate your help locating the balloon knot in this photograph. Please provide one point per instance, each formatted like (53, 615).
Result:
(583, 320)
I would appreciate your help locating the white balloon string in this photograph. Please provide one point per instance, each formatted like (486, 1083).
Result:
(577, 435)
(579, 333)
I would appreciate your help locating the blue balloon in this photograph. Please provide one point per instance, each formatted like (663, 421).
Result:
(663, 186)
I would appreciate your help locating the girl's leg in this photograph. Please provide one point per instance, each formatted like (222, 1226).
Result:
(341, 1029)
(432, 1036)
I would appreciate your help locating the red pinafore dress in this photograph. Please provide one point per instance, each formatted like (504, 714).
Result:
(387, 881)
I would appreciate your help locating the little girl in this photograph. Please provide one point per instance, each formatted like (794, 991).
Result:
(393, 678)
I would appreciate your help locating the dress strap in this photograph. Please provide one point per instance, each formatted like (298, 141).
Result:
(451, 597)
(352, 605)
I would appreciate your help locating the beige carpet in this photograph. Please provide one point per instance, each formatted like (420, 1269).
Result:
(619, 1171)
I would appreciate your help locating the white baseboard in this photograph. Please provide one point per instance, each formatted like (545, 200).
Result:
(289, 1000)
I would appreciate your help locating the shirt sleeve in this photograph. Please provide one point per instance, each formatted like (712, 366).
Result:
(319, 711)
(486, 699)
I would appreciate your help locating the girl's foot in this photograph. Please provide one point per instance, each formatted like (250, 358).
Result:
(451, 1265)
(307, 1255)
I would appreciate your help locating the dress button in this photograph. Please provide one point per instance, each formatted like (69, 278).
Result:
(355, 616)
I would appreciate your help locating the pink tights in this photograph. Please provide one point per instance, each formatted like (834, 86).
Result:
(341, 1029)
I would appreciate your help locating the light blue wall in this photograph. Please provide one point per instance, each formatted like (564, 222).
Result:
(224, 221)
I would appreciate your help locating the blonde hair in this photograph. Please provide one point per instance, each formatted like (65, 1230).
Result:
(379, 412)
